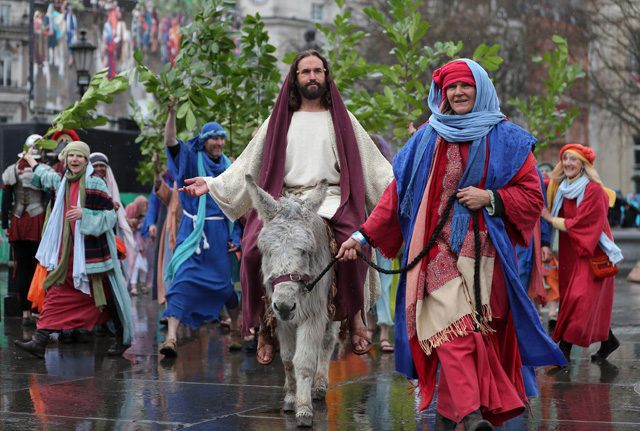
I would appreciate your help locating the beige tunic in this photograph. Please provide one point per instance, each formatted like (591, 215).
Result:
(310, 158)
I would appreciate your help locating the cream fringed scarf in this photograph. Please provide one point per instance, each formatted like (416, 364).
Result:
(441, 304)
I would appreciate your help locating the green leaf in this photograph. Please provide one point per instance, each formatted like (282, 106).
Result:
(47, 144)
(137, 56)
(182, 110)
(480, 51)
(191, 120)
(389, 94)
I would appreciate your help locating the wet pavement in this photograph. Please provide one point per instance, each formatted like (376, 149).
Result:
(79, 387)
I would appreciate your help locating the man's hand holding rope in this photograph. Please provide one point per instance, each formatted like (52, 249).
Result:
(348, 250)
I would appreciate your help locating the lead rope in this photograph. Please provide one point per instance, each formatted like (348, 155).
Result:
(414, 262)
(420, 256)
(476, 267)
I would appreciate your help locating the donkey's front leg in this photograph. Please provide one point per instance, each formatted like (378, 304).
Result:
(305, 362)
(321, 380)
(287, 337)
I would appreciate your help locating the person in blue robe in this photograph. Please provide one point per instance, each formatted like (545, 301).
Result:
(200, 269)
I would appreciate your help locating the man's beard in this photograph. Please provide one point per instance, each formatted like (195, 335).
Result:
(312, 93)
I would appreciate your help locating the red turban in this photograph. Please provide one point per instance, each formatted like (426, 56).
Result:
(585, 154)
(74, 135)
(456, 71)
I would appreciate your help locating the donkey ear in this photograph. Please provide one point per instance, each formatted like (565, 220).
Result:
(263, 202)
(316, 197)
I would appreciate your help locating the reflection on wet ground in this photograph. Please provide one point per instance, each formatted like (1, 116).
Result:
(79, 387)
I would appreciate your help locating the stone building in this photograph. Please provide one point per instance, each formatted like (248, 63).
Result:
(14, 64)
(614, 119)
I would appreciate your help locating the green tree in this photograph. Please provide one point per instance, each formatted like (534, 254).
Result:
(406, 82)
(249, 86)
(547, 117)
(150, 139)
(213, 80)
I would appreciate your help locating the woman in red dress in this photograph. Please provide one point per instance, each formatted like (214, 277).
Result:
(578, 206)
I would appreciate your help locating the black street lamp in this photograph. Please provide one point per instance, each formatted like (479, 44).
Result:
(82, 51)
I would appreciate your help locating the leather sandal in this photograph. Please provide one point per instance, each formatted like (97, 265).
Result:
(265, 339)
(169, 348)
(362, 333)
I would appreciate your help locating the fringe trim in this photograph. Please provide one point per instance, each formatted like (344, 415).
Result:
(459, 329)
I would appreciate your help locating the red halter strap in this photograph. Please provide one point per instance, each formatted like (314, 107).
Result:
(291, 277)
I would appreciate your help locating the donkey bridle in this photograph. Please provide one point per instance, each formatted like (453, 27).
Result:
(291, 277)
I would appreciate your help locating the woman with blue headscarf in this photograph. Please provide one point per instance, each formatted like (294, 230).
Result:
(200, 269)
(465, 191)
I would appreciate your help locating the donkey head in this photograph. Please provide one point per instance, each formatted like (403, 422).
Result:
(288, 243)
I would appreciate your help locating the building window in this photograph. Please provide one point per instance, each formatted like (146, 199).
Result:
(5, 68)
(317, 12)
(5, 14)
(4, 119)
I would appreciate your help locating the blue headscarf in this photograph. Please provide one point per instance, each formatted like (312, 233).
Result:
(209, 130)
(473, 126)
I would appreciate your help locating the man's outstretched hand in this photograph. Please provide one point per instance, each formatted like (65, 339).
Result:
(197, 187)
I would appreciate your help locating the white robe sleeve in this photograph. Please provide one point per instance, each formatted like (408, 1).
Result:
(229, 189)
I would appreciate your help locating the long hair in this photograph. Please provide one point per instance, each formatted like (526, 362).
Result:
(557, 175)
(295, 99)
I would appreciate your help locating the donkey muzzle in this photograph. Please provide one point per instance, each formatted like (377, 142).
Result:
(284, 310)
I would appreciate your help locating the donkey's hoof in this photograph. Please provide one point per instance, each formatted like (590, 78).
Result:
(289, 406)
(319, 394)
(304, 421)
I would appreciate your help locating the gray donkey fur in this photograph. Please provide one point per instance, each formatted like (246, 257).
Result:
(294, 240)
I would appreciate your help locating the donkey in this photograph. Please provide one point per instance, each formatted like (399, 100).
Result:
(295, 248)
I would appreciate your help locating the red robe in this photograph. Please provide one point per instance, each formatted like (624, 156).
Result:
(475, 371)
(586, 302)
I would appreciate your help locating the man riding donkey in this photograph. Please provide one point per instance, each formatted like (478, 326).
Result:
(309, 136)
